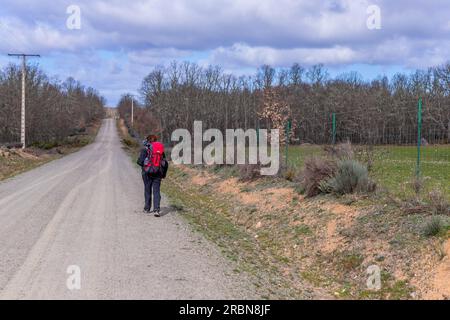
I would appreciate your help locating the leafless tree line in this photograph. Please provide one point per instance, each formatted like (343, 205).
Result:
(379, 111)
(54, 110)
(146, 122)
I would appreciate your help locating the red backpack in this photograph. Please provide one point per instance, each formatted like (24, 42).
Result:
(152, 163)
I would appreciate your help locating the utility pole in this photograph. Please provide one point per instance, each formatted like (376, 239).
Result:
(132, 111)
(24, 70)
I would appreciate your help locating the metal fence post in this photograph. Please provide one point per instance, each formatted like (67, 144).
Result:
(257, 136)
(419, 135)
(334, 128)
(288, 130)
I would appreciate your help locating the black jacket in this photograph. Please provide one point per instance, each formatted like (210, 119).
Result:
(164, 164)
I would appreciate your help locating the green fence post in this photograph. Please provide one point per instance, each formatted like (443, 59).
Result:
(419, 135)
(257, 136)
(334, 128)
(288, 130)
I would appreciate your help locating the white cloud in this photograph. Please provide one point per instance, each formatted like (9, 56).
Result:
(152, 57)
(242, 54)
(121, 40)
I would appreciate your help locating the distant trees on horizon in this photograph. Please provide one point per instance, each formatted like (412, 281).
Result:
(54, 109)
(379, 111)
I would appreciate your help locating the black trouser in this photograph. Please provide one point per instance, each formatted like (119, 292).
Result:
(152, 184)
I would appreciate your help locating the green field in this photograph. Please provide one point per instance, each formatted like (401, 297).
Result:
(395, 166)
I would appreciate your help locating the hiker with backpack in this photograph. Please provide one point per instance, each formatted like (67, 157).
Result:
(154, 164)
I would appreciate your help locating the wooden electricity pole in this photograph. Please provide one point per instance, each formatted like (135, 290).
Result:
(24, 71)
(132, 111)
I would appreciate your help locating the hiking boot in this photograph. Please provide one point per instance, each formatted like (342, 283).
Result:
(157, 213)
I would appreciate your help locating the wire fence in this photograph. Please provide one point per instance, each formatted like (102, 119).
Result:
(398, 153)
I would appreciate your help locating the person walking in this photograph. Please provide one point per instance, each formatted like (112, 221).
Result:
(154, 164)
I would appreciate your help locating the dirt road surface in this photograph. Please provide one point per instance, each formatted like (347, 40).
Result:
(85, 210)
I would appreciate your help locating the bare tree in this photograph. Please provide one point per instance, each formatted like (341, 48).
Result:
(380, 111)
(54, 110)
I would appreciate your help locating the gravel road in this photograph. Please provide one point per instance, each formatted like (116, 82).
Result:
(85, 210)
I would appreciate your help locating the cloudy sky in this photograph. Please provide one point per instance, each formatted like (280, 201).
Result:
(119, 42)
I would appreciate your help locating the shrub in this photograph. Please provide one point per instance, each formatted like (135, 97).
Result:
(289, 174)
(415, 206)
(350, 260)
(78, 141)
(366, 155)
(438, 203)
(81, 130)
(248, 172)
(342, 151)
(433, 227)
(417, 184)
(46, 145)
(315, 171)
(350, 177)
(130, 143)
(300, 189)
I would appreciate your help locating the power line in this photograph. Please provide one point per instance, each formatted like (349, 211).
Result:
(24, 70)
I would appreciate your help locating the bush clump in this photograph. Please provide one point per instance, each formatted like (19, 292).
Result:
(248, 172)
(438, 203)
(289, 173)
(131, 143)
(342, 151)
(433, 227)
(350, 177)
(338, 173)
(315, 171)
(78, 141)
(46, 145)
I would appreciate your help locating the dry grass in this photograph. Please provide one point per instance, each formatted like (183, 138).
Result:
(321, 245)
(16, 161)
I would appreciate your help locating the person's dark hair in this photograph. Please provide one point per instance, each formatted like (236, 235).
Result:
(152, 138)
